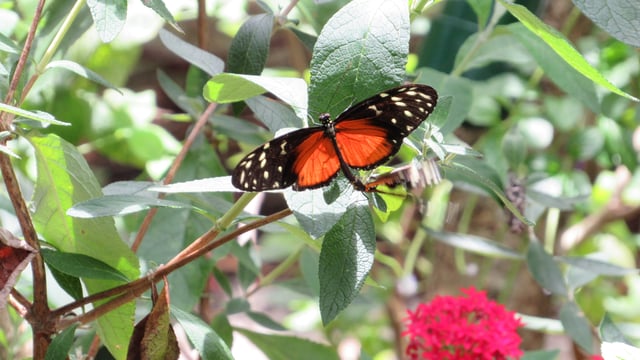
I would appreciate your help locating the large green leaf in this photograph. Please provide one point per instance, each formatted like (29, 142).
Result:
(617, 17)
(250, 47)
(576, 325)
(313, 213)
(545, 270)
(64, 178)
(561, 46)
(227, 88)
(345, 260)
(361, 51)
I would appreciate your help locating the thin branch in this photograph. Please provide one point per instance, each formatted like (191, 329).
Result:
(136, 288)
(197, 128)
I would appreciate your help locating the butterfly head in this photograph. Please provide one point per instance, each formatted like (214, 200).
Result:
(325, 118)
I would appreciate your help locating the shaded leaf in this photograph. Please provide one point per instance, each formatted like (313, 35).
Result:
(476, 244)
(576, 325)
(545, 270)
(80, 265)
(209, 345)
(609, 332)
(82, 71)
(207, 62)
(118, 205)
(250, 47)
(61, 344)
(345, 260)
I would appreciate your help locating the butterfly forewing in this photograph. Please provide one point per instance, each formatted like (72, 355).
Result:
(270, 166)
(394, 113)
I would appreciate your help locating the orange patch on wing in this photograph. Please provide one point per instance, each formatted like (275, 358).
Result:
(363, 144)
(317, 162)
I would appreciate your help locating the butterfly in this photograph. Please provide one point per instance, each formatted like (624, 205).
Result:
(364, 136)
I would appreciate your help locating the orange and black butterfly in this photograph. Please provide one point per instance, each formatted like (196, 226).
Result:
(362, 137)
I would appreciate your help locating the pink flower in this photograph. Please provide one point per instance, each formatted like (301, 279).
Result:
(462, 328)
(596, 357)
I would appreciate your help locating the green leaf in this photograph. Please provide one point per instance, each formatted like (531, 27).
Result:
(471, 171)
(264, 320)
(597, 266)
(501, 46)
(312, 212)
(70, 284)
(209, 345)
(222, 327)
(617, 17)
(108, 17)
(279, 347)
(207, 62)
(545, 270)
(576, 325)
(63, 179)
(228, 88)
(483, 10)
(159, 7)
(273, 114)
(609, 332)
(118, 205)
(362, 50)
(558, 70)
(188, 104)
(250, 47)
(82, 71)
(476, 244)
(561, 46)
(223, 281)
(345, 260)
(33, 115)
(81, 266)
(460, 90)
(540, 355)
(237, 305)
(61, 344)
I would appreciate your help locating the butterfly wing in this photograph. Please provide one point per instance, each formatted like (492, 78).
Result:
(303, 158)
(371, 132)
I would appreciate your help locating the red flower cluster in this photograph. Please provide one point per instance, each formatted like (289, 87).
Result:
(463, 328)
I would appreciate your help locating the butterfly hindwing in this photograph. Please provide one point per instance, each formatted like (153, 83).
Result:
(303, 158)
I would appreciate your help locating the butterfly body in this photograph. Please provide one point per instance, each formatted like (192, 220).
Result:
(363, 137)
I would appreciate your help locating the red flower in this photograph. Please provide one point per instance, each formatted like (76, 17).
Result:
(596, 357)
(463, 328)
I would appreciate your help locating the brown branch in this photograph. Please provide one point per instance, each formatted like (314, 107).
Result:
(197, 128)
(131, 291)
(39, 311)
